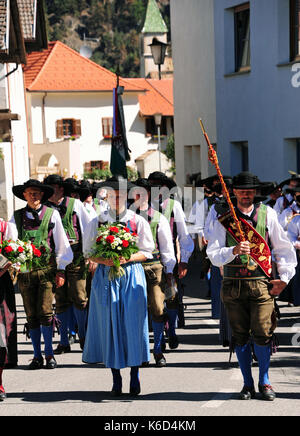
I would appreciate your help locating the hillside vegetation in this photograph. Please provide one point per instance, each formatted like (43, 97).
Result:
(113, 29)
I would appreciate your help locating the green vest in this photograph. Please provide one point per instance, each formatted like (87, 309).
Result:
(67, 221)
(37, 237)
(153, 226)
(232, 269)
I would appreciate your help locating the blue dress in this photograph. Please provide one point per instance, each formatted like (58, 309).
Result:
(117, 332)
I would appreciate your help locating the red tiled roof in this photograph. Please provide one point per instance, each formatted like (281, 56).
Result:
(60, 68)
(158, 98)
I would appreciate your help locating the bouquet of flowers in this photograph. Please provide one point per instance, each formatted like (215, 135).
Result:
(115, 241)
(19, 253)
(24, 256)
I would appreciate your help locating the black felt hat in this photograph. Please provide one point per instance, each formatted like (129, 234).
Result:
(267, 188)
(161, 179)
(18, 190)
(53, 179)
(245, 180)
(116, 183)
(71, 186)
(143, 183)
(85, 189)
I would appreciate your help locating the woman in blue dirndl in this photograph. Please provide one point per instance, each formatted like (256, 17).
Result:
(117, 332)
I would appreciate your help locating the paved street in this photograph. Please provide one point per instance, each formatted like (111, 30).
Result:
(198, 380)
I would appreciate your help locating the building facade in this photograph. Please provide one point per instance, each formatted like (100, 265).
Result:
(70, 111)
(253, 87)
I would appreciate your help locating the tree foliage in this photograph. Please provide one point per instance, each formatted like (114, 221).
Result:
(116, 23)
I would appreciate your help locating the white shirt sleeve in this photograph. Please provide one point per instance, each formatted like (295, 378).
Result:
(83, 216)
(294, 231)
(185, 241)
(201, 215)
(283, 250)
(209, 222)
(216, 250)
(166, 247)
(89, 237)
(63, 251)
(11, 230)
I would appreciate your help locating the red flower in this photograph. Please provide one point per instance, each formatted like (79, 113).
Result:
(20, 249)
(8, 249)
(134, 234)
(37, 253)
(114, 229)
(110, 239)
(125, 243)
(99, 239)
(127, 230)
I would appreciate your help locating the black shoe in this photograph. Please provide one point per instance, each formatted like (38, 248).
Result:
(267, 392)
(62, 349)
(36, 363)
(51, 362)
(2, 394)
(81, 342)
(247, 393)
(135, 390)
(173, 342)
(116, 392)
(160, 360)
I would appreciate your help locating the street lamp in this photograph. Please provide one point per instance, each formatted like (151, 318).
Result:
(158, 50)
(158, 118)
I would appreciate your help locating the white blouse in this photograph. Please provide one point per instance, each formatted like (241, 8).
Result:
(145, 240)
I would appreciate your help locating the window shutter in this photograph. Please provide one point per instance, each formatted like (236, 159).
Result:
(59, 129)
(149, 126)
(107, 127)
(77, 127)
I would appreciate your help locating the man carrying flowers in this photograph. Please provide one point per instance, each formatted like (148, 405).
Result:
(51, 253)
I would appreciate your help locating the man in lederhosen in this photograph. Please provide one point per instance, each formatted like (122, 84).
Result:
(247, 291)
(75, 220)
(173, 211)
(43, 227)
(159, 269)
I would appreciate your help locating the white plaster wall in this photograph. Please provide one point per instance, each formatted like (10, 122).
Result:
(90, 108)
(16, 166)
(192, 28)
(261, 107)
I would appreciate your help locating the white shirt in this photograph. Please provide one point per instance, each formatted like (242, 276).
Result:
(286, 215)
(165, 243)
(283, 251)
(90, 209)
(63, 251)
(185, 241)
(145, 242)
(293, 232)
(279, 207)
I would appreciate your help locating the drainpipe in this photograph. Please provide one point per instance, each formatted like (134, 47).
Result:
(44, 118)
(11, 142)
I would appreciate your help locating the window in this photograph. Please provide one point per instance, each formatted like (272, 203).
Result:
(68, 127)
(295, 29)
(107, 128)
(239, 157)
(151, 129)
(242, 37)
